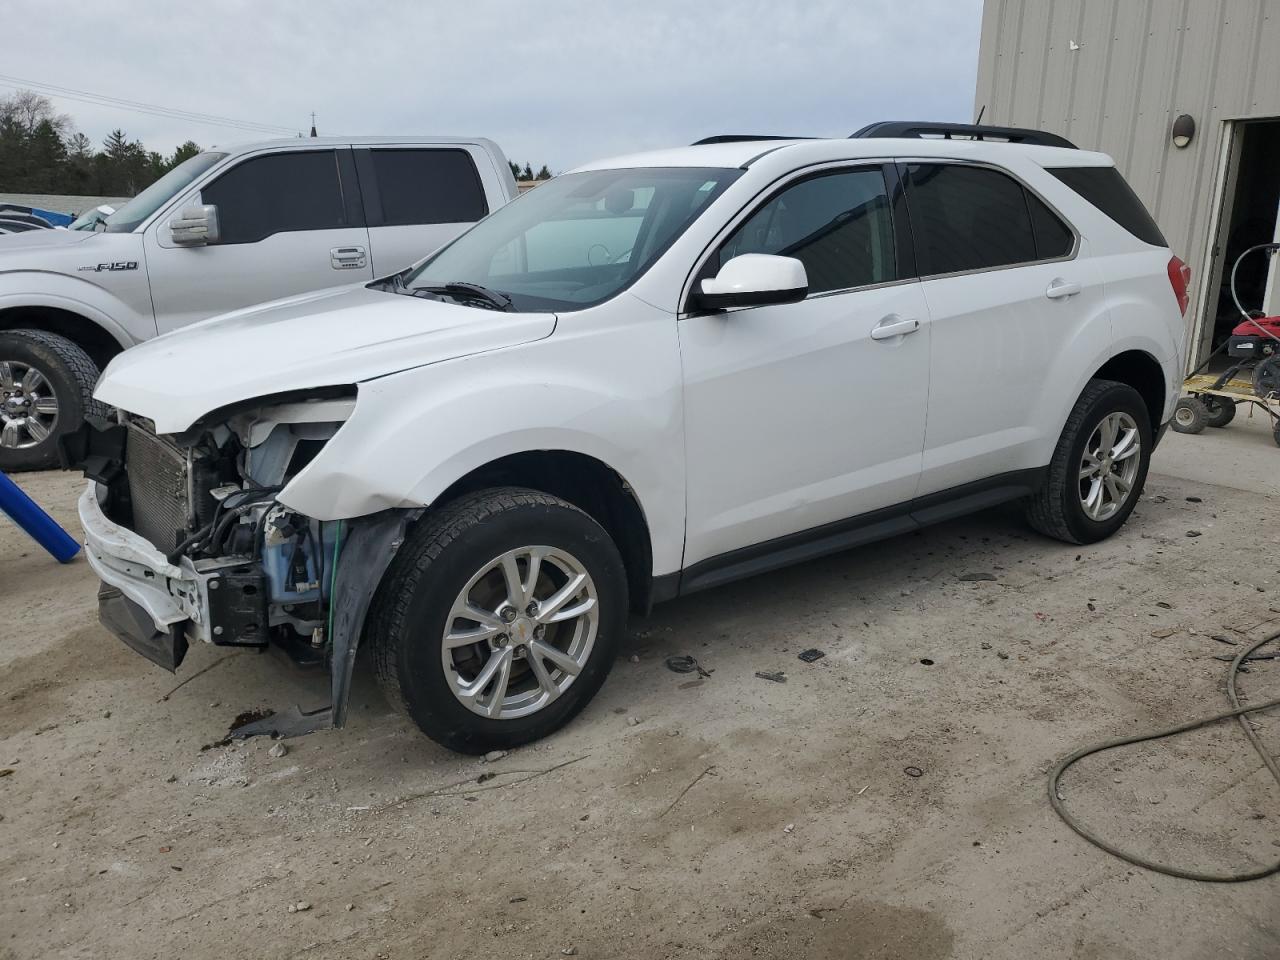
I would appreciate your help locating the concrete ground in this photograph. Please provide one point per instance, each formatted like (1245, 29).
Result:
(886, 801)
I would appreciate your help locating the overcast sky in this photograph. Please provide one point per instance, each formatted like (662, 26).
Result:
(555, 81)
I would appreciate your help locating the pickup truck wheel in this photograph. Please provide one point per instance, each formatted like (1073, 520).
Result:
(1098, 468)
(499, 619)
(46, 389)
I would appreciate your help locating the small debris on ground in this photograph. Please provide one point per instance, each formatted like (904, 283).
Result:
(299, 907)
(1194, 500)
(1161, 634)
(788, 828)
(569, 951)
(633, 721)
(812, 654)
(1163, 605)
(278, 749)
(350, 907)
(493, 756)
(775, 677)
(913, 771)
(974, 577)
(1002, 655)
(926, 662)
(686, 664)
(1227, 640)
(1193, 533)
(634, 658)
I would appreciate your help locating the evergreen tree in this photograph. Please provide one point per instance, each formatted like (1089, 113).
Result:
(544, 173)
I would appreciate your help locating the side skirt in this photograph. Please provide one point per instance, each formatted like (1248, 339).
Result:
(846, 534)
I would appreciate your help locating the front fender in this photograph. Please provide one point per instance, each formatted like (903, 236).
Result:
(39, 288)
(612, 394)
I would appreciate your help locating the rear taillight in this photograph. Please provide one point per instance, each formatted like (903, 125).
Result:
(1180, 280)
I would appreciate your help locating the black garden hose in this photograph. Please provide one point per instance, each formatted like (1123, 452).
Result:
(1239, 713)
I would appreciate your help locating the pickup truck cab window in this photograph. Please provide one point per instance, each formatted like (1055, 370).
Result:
(577, 240)
(279, 193)
(404, 186)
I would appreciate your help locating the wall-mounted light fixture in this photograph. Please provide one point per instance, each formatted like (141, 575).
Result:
(1184, 128)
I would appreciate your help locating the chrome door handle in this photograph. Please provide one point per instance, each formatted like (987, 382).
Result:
(1062, 288)
(891, 327)
(348, 258)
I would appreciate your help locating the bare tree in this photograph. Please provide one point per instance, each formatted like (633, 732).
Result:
(28, 109)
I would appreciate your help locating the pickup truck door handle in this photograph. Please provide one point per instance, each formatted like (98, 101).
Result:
(1062, 288)
(893, 326)
(348, 258)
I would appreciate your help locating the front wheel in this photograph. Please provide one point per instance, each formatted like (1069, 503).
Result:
(499, 619)
(46, 389)
(1098, 468)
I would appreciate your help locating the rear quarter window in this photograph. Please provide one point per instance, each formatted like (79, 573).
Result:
(1107, 190)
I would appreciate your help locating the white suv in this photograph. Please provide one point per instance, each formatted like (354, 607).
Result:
(225, 229)
(646, 377)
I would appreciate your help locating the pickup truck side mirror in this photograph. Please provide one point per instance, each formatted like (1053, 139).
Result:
(195, 226)
(753, 280)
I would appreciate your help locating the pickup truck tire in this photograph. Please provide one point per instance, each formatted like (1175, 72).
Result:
(543, 663)
(31, 420)
(1089, 494)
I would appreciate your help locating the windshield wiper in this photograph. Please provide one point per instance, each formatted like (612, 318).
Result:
(459, 290)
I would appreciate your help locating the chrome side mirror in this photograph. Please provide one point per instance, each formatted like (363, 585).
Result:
(195, 226)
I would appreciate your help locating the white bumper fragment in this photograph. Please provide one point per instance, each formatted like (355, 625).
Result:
(169, 593)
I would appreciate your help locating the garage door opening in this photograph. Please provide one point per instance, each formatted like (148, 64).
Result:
(1250, 214)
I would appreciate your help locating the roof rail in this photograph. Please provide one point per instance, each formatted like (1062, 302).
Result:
(919, 130)
(740, 138)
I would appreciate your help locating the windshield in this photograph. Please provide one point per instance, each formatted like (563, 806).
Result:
(578, 239)
(127, 218)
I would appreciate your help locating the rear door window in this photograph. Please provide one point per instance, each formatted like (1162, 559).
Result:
(421, 187)
(279, 193)
(968, 218)
(838, 224)
(1107, 190)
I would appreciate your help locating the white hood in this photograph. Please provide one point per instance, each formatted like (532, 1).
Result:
(328, 338)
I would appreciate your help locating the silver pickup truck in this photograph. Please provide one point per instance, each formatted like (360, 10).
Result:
(226, 229)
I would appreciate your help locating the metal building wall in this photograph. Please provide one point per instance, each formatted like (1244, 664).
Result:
(1112, 75)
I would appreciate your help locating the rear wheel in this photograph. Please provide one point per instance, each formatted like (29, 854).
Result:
(1190, 416)
(1098, 468)
(1220, 410)
(46, 390)
(500, 619)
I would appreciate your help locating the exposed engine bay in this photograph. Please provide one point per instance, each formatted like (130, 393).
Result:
(239, 567)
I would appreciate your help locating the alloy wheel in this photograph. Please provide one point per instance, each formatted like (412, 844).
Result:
(520, 632)
(1109, 466)
(28, 405)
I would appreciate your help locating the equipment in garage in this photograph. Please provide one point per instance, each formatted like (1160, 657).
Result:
(1253, 376)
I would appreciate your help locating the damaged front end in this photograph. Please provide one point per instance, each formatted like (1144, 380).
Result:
(192, 544)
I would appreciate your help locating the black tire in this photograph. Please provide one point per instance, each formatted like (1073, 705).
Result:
(1276, 433)
(71, 374)
(1266, 378)
(1056, 510)
(411, 610)
(1189, 416)
(1220, 410)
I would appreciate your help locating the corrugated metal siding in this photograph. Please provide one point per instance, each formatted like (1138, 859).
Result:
(1140, 63)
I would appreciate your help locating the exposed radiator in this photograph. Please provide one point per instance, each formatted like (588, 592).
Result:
(158, 489)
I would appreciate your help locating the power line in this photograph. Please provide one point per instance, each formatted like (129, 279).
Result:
(137, 106)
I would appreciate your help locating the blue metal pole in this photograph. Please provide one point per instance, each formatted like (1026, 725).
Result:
(23, 511)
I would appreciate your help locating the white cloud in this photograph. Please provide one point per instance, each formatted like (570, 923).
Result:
(564, 81)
